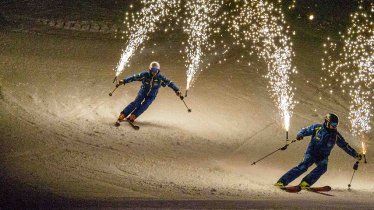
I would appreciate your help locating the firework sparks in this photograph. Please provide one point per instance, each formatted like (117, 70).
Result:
(350, 63)
(292, 5)
(363, 148)
(263, 24)
(201, 15)
(153, 12)
(257, 24)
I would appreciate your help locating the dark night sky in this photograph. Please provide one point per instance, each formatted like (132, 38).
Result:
(332, 10)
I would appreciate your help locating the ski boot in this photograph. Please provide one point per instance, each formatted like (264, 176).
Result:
(279, 184)
(304, 185)
(131, 118)
(121, 118)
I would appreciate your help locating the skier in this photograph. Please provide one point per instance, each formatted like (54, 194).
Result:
(324, 137)
(151, 80)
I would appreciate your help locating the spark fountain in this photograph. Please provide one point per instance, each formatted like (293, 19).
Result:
(363, 150)
(350, 65)
(263, 25)
(200, 16)
(153, 12)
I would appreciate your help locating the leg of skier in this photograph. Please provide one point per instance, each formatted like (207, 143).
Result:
(133, 105)
(296, 171)
(130, 108)
(144, 106)
(314, 175)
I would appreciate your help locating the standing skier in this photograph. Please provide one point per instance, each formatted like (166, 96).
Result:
(151, 80)
(324, 137)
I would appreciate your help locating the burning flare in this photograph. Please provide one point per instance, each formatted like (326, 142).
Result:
(363, 148)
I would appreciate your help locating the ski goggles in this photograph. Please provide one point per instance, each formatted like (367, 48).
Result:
(333, 125)
(155, 70)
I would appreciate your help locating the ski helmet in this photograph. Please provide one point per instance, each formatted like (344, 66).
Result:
(331, 121)
(154, 67)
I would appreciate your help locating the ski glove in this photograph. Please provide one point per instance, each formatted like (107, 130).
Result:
(299, 137)
(359, 157)
(121, 82)
(179, 94)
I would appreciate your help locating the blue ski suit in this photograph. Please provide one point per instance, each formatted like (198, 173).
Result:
(318, 151)
(148, 91)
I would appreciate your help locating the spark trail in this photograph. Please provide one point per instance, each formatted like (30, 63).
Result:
(197, 26)
(350, 64)
(153, 12)
(263, 25)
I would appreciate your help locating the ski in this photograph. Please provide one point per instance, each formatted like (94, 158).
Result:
(291, 189)
(320, 189)
(117, 124)
(133, 125)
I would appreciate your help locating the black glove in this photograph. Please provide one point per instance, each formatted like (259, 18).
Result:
(299, 137)
(121, 82)
(179, 94)
(359, 157)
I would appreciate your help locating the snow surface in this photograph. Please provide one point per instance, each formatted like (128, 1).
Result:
(57, 133)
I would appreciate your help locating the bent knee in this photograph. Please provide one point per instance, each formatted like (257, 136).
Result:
(323, 167)
(135, 103)
(303, 167)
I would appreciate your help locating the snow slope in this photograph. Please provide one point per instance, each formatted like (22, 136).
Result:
(57, 133)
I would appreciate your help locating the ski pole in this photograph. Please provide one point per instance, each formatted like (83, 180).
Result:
(188, 109)
(355, 167)
(282, 148)
(111, 93)
(115, 79)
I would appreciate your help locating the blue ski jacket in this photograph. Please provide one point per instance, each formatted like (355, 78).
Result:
(323, 141)
(151, 84)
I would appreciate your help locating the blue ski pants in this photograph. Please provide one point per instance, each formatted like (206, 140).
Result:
(139, 105)
(312, 177)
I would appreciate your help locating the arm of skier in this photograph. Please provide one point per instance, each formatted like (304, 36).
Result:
(135, 77)
(307, 131)
(340, 141)
(166, 82)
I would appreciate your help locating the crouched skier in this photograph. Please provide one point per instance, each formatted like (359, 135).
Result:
(151, 80)
(324, 137)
